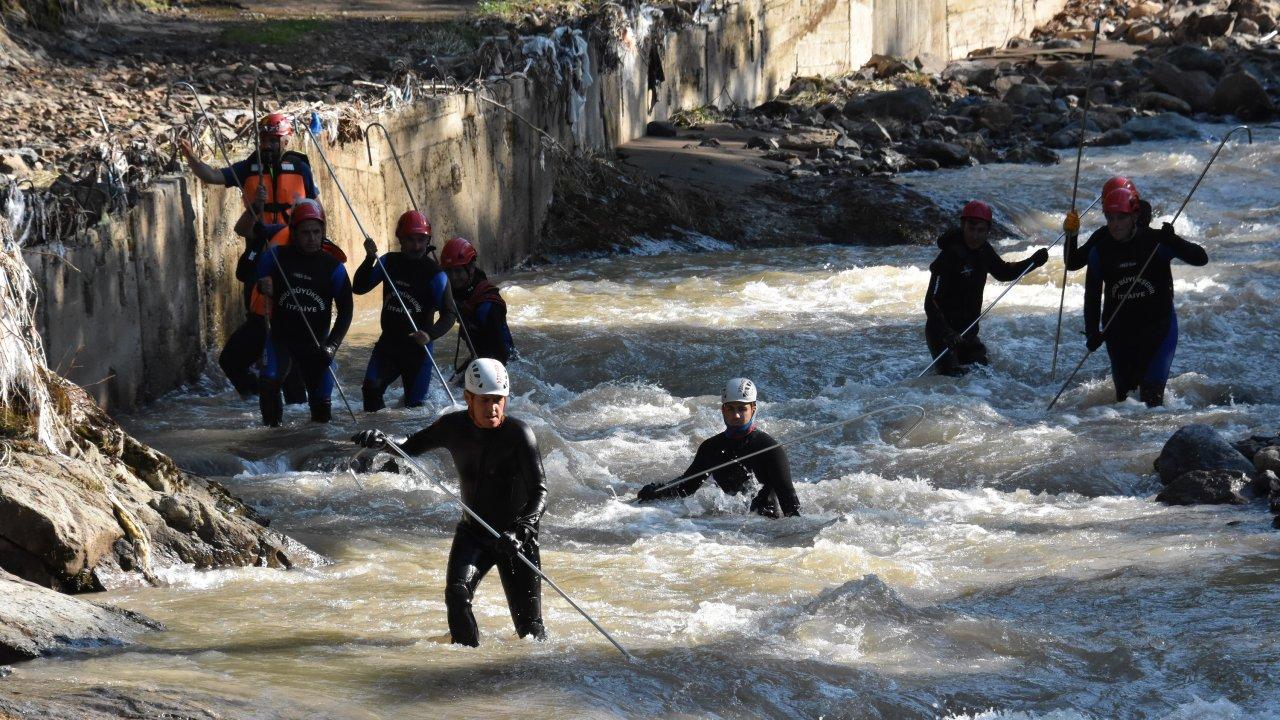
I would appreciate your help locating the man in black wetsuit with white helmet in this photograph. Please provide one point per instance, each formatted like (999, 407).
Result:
(501, 478)
(777, 496)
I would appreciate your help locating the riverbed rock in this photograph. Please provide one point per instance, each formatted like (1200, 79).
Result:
(36, 622)
(908, 104)
(1267, 459)
(945, 154)
(1028, 94)
(1199, 447)
(113, 507)
(1165, 126)
(1204, 487)
(810, 139)
(1241, 94)
(1250, 447)
(1161, 102)
(1110, 138)
(1195, 57)
(662, 128)
(1193, 86)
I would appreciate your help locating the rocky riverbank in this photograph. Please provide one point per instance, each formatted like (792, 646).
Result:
(1160, 70)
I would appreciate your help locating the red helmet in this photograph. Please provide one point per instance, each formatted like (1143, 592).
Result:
(977, 210)
(306, 209)
(458, 252)
(1121, 200)
(1120, 181)
(413, 223)
(276, 124)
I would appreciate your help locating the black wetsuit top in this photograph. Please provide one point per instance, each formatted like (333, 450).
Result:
(318, 282)
(1077, 257)
(777, 495)
(484, 312)
(1113, 269)
(422, 285)
(499, 470)
(957, 279)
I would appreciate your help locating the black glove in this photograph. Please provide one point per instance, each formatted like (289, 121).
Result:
(649, 492)
(1166, 234)
(508, 544)
(953, 340)
(371, 439)
(1093, 340)
(330, 352)
(1039, 258)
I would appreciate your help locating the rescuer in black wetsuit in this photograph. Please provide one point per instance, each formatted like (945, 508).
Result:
(501, 478)
(777, 496)
(315, 283)
(422, 286)
(956, 282)
(1077, 257)
(1142, 338)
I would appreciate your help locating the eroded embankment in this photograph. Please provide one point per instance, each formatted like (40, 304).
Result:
(132, 306)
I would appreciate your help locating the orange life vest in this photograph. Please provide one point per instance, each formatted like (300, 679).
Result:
(286, 184)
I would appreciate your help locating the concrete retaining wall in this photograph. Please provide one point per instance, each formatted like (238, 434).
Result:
(132, 309)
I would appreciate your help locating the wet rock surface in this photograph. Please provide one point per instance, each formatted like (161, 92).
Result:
(36, 621)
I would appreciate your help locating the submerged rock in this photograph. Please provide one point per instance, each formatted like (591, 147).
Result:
(1199, 447)
(36, 621)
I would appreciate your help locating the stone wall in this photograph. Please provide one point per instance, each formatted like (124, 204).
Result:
(133, 309)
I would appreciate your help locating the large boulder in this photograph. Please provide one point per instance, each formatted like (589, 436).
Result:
(1165, 126)
(1028, 94)
(1241, 94)
(1204, 487)
(946, 154)
(36, 621)
(908, 105)
(1161, 102)
(1193, 86)
(808, 139)
(1199, 447)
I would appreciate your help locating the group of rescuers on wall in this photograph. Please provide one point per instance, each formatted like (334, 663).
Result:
(294, 277)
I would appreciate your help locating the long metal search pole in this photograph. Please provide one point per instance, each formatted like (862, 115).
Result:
(999, 297)
(796, 439)
(413, 202)
(390, 281)
(1075, 185)
(393, 447)
(1125, 297)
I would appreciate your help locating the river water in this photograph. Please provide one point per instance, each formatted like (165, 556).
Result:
(999, 562)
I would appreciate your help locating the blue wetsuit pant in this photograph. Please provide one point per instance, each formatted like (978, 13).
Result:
(404, 359)
(1141, 359)
(283, 355)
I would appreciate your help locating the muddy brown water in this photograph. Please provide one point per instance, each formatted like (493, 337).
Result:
(1000, 562)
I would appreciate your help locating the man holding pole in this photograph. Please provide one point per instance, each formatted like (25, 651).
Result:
(304, 284)
(957, 279)
(502, 482)
(421, 291)
(741, 438)
(1142, 338)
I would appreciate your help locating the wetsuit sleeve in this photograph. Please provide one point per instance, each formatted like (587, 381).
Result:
(444, 305)
(435, 435)
(932, 308)
(701, 461)
(773, 470)
(308, 183)
(346, 306)
(535, 483)
(234, 176)
(1001, 269)
(1093, 293)
(491, 317)
(368, 275)
(1077, 257)
(1174, 246)
(267, 263)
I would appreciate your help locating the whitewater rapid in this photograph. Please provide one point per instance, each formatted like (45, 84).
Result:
(999, 562)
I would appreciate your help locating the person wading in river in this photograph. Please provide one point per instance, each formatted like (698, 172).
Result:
(1077, 257)
(501, 477)
(304, 284)
(480, 306)
(401, 350)
(956, 282)
(777, 495)
(1141, 340)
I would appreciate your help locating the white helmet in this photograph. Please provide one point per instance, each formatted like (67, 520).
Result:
(739, 390)
(487, 376)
